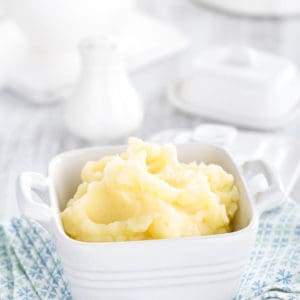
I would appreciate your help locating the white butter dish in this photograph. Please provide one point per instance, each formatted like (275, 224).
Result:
(241, 86)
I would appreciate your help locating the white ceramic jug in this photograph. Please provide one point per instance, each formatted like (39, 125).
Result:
(104, 105)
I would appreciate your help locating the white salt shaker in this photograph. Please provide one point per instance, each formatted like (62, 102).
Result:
(104, 105)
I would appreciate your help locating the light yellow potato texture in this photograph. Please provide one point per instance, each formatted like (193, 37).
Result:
(146, 193)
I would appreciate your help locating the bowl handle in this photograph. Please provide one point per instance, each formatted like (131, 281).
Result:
(268, 197)
(35, 209)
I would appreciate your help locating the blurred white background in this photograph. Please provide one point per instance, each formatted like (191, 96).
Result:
(31, 134)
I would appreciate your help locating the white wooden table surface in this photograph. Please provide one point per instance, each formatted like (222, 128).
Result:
(30, 135)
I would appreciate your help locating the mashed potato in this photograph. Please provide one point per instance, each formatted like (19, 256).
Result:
(145, 193)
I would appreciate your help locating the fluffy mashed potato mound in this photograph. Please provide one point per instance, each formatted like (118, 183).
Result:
(146, 193)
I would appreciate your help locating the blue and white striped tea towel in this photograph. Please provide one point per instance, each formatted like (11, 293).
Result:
(274, 269)
(29, 265)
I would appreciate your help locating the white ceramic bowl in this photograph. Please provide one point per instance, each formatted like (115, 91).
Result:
(207, 267)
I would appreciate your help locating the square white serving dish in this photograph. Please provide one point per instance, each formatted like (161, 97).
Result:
(205, 266)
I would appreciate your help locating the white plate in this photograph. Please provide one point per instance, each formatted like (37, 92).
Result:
(144, 40)
(257, 8)
(282, 153)
(147, 40)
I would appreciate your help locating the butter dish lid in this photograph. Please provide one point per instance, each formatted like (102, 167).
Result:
(240, 85)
